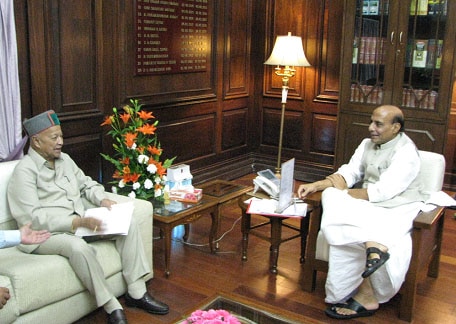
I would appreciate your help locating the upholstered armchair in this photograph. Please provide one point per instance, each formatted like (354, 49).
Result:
(426, 238)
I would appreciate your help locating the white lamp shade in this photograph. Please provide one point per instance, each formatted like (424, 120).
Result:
(288, 51)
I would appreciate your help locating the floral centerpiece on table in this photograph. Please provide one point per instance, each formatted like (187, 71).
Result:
(211, 316)
(139, 172)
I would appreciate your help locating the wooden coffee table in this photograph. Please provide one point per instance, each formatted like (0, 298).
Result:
(168, 216)
(216, 193)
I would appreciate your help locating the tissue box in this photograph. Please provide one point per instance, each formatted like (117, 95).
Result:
(177, 173)
(185, 185)
(186, 196)
(179, 178)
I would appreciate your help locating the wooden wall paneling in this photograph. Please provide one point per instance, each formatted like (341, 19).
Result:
(324, 37)
(237, 46)
(65, 66)
(236, 73)
(323, 133)
(271, 127)
(322, 81)
(234, 129)
(199, 144)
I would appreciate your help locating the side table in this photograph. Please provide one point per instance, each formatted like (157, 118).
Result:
(225, 192)
(275, 238)
(168, 216)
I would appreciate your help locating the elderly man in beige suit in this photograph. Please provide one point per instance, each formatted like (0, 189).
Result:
(47, 189)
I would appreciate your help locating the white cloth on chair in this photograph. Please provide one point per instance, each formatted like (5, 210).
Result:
(347, 223)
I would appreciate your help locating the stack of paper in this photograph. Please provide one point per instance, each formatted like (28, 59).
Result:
(268, 207)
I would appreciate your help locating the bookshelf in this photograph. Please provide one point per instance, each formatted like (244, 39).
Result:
(396, 52)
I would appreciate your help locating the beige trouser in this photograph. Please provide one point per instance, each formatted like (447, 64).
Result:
(82, 258)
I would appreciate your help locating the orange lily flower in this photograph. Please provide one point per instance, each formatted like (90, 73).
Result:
(130, 139)
(154, 150)
(147, 129)
(107, 121)
(125, 117)
(144, 115)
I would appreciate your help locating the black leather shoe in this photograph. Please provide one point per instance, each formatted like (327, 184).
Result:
(117, 317)
(147, 303)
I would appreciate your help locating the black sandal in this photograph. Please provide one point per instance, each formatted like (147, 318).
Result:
(373, 264)
(352, 304)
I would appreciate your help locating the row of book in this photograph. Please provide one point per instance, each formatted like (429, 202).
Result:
(414, 98)
(424, 53)
(428, 7)
(421, 53)
(417, 7)
(369, 50)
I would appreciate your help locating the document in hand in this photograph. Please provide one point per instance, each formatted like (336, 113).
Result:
(268, 207)
(115, 221)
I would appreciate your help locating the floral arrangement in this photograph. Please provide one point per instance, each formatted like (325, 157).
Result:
(139, 172)
(211, 316)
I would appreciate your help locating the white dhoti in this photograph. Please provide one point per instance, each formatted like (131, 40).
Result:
(346, 224)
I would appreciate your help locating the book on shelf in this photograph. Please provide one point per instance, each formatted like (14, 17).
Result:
(419, 7)
(437, 7)
(374, 7)
(420, 52)
(368, 50)
(434, 58)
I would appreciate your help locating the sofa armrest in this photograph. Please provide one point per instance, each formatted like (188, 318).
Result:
(143, 214)
(10, 312)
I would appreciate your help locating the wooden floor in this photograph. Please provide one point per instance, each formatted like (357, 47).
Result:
(197, 276)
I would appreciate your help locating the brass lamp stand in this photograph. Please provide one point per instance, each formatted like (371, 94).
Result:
(288, 53)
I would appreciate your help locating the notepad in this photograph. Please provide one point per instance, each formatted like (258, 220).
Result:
(115, 221)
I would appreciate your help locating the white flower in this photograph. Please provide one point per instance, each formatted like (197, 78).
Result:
(164, 178)
(121, 184)
(158, 192)
(143, 159)
(136, 186)
(133, 147)
(132, 194)
(152, 168)
(148, 184)
(114, 189)
(157, 180)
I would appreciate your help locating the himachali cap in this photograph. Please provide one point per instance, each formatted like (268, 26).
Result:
(41, 122)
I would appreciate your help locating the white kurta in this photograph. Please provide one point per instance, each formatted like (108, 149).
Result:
(388, 172)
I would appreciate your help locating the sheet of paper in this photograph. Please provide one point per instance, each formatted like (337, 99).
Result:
(286, 186)
(441, 198)
(268, 207)
(115, 221)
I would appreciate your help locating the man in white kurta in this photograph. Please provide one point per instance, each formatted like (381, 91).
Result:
(377, 213)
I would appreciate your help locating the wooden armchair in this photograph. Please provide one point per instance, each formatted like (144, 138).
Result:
(426, 238)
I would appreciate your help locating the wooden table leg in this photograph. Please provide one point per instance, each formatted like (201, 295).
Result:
(186, 232)
(304, 230)
(214, 230)
(276, 238)
(245, 228)
(167, 239)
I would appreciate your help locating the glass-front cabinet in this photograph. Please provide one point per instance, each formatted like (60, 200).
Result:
(398, 52)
